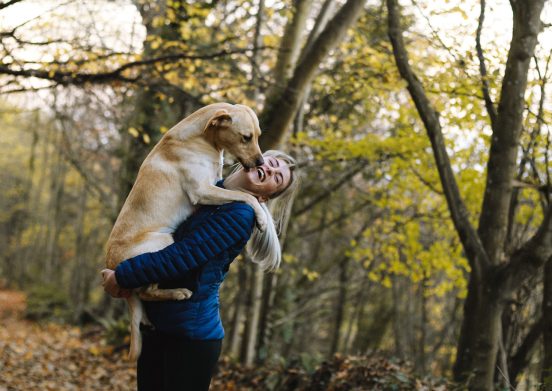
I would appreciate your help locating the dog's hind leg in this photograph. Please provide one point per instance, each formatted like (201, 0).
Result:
(153, 293)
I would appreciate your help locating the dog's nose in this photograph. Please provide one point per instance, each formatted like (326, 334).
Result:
(259, 161)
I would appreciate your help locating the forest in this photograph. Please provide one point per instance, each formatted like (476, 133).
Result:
(418, 253)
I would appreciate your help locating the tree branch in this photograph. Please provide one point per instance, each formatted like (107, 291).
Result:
(8, 3)
(329, 190)
(483, 69)
(519, 361)
(76, 78)
(528, 259)
(460, 216)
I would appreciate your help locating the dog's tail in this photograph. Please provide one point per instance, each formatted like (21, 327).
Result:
(136, 314)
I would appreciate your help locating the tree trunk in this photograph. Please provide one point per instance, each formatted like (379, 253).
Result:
(289, 49)
(492, 280)
(520, 360)
(421, 361)
(54, 224)
(546, 376)
(340, 305)
(280, 110)
(265, 323)
(77, 280)
(398, 328)
(239, 311)
(256, 292)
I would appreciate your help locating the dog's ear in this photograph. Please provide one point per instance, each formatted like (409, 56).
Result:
(221, 119)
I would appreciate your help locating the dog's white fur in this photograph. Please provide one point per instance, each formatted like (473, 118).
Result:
(179, 173)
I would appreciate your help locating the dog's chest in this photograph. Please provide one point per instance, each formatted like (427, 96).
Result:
(184, 211)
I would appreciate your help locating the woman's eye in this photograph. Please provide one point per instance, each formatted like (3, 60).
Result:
(247, 139)
(271, 163)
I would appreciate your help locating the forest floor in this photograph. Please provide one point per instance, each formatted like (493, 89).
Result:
(50, 356)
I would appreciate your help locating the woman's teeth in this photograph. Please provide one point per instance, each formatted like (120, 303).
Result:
(261, 173)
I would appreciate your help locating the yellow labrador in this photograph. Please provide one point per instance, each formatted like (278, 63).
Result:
(179, 173)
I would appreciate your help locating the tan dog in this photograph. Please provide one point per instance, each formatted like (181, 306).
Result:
(179, 173)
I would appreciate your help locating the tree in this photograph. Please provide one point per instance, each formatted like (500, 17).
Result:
(495, 274)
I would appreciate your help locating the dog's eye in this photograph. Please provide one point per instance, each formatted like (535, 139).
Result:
(247, 139)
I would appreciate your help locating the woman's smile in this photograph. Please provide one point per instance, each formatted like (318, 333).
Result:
(263, 181)
(261, 173)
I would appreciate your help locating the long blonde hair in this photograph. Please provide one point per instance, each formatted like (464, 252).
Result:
(264, 247)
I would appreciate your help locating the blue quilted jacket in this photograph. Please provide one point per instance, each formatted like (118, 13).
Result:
(205, 246)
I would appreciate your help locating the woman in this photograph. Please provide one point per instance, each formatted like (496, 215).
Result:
(182, 346)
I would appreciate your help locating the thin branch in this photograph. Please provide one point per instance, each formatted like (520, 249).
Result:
(491, 109)
(75, 78)
(331, 189)
(7, 4)
(425, 182)
(434, 32)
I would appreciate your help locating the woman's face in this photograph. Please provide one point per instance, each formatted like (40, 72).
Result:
(263, 181)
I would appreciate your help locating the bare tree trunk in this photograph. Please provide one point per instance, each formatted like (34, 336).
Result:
(289, 48)
(265, 323)
(356, 313)
(340, 304)
(256, 293)
(421, 361)
(280, 110)
(54, 223)
(252, 311)
(257, 42)
(319, 25)
(546, 375)
(239, 311)
(78, 293)
(398, 327)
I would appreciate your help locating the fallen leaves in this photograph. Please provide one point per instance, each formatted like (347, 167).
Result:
(51, 356)
(56, 357)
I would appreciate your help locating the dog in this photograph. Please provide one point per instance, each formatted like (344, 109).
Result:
(178, 174)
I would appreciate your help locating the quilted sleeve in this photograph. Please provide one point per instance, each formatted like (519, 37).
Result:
(220, 231)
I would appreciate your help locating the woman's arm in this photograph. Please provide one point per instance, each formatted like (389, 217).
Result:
(225, 228)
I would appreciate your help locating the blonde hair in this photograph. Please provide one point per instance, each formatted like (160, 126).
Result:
(264, 247)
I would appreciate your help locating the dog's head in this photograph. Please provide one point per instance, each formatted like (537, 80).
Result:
(236, 131)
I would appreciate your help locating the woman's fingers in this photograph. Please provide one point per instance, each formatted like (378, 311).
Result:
(110, 285)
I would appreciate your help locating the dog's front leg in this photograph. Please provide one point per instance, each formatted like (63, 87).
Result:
(213, 195)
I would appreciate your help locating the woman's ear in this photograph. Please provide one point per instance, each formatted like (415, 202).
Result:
(263, 199)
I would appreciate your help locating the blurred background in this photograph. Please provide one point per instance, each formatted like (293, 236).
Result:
(396, 246)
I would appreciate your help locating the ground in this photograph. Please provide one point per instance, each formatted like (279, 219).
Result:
(50, 356)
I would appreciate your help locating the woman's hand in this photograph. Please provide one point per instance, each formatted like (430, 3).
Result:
(110, 285)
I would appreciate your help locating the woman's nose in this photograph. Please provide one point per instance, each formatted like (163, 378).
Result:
(268, 170)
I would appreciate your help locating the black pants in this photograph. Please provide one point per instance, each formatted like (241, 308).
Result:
(176, 363)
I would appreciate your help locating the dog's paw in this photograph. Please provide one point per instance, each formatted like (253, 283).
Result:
(183, 294)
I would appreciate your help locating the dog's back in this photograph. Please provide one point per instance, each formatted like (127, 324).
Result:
(158, 202)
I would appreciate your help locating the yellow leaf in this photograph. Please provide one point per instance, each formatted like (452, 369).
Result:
(134, 132)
